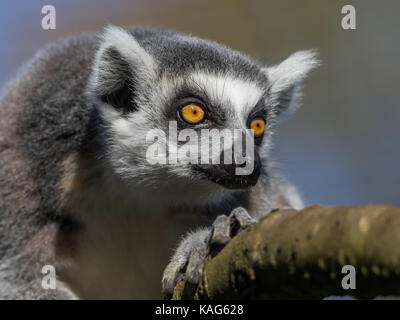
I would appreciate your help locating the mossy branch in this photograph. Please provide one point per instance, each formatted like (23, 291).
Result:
(300, 254)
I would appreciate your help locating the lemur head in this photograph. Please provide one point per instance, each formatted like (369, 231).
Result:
(147, 79)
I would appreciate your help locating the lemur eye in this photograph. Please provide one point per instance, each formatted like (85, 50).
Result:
(258, 126)
(192, 113)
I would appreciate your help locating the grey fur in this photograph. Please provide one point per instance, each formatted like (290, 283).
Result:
(60, 106)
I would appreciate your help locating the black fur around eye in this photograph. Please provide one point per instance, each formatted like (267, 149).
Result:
(258, 112)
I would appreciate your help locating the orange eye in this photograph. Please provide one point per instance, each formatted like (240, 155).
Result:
(192, 113)
(258, 126)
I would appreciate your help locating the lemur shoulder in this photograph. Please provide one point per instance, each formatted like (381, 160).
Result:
(76, 190)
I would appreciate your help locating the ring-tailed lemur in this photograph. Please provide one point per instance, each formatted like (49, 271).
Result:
(76, 190)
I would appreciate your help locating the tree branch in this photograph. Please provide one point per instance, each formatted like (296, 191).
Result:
(300, 254)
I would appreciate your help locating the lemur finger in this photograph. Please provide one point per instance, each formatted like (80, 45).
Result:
(221, 231)
(239, 219)
(196, 260)
(172, 274)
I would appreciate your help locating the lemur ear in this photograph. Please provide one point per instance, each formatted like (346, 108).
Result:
(286, 78)
(121, 65)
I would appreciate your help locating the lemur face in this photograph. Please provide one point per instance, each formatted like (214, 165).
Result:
(163, 82)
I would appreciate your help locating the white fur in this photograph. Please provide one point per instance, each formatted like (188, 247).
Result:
(242, 95)
(290, 73)
(127, 45)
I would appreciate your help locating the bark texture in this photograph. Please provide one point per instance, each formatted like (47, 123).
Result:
(300, 254)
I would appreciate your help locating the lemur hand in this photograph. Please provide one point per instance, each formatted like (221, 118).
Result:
(190, 255)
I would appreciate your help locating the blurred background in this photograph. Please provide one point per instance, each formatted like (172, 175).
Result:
(343, 146)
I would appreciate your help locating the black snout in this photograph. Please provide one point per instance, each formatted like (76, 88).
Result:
(234, 176)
